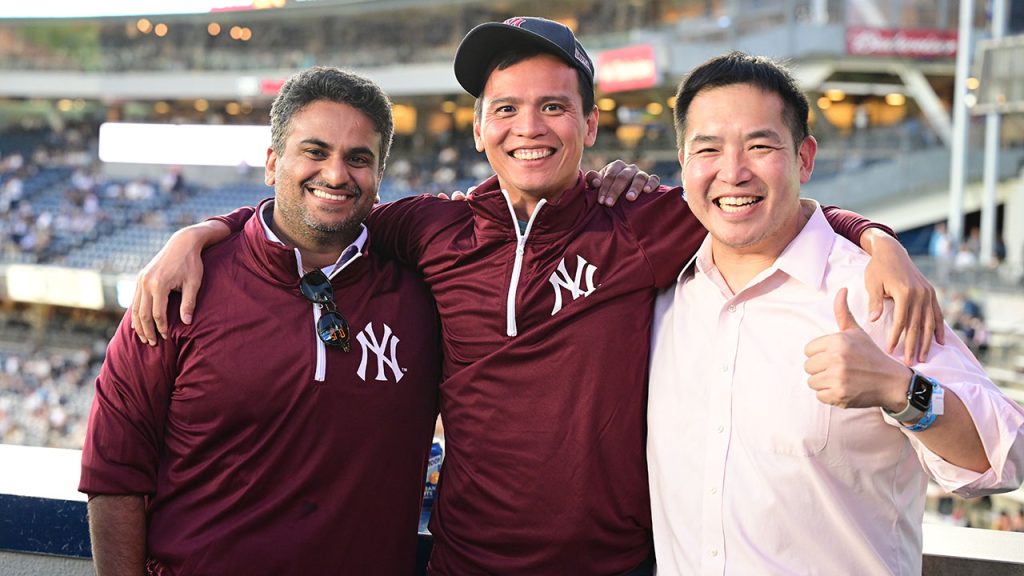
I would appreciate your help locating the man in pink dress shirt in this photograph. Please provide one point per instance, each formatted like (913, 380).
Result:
(789, 445)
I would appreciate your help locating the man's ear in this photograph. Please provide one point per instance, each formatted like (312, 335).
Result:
(478, 140)
(270, 168)
(591, 135)
(805, 156)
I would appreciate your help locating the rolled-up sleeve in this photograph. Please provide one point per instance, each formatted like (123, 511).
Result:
(998, 419)
(128, 416)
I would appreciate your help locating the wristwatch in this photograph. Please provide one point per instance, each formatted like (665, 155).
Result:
(919, 399)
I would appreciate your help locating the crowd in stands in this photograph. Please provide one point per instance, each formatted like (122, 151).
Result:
(965, 316)
(293, 40)
(365, 36)
(47, 375)
(963, 262)
(1007, 516)
(53, 197)
(45, 396)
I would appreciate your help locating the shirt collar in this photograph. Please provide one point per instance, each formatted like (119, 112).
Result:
(491, 208)
(804, 259)
(346, 254)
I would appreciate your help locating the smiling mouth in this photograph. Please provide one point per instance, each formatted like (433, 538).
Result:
(531, 153)
(321, 193)
(736, 203)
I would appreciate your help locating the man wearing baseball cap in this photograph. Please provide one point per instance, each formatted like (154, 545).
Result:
(546, 299)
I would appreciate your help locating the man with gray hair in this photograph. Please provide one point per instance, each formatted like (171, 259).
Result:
(233, 450)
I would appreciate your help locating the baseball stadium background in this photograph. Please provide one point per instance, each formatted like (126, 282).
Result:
(121, 121)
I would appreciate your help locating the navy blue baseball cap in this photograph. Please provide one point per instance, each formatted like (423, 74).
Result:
(486, 41)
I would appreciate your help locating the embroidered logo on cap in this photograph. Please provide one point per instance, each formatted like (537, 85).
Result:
(517, 22)
(583, 59)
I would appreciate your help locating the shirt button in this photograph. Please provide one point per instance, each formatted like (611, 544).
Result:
(724, 368)
(714, 491)
(721, 429)
(732, 308)
(714, 552)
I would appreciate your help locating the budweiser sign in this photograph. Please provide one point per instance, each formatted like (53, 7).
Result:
(919, 43)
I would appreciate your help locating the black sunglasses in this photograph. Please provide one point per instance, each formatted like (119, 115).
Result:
(332, 327)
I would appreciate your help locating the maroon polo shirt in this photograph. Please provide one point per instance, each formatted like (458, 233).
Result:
(250, 465)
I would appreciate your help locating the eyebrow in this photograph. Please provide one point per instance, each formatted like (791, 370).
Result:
(755, 135)
(321, 144)
(766, 133)
(704, 139)
(315, 142)
(516, 99)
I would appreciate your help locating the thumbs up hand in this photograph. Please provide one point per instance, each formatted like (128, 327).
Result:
(847, 369)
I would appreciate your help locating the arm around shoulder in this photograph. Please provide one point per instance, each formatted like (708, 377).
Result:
(668, 232)
(178, 266)
(404, 228)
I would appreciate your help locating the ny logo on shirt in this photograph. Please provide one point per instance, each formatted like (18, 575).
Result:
(386, 350)
(560, 279)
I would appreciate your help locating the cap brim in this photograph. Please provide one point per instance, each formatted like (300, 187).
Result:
(484, 42)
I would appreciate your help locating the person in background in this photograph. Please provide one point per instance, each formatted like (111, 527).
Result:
(940, 248)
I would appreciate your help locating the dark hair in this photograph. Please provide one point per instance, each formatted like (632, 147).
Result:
(514, 56)
(333, 85)
(739, 68)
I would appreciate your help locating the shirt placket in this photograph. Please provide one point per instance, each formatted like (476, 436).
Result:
(718, 436)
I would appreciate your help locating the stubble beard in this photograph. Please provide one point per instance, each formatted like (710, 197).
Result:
(322, 233)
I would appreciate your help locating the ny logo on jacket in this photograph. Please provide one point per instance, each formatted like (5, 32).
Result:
(560, 279)
(386, 350)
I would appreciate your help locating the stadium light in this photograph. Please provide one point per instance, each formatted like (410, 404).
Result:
(106, 8)
(895, 99)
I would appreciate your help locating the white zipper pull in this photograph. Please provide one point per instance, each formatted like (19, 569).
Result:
(517, 266)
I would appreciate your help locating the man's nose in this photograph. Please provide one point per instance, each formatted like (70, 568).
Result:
(733, 167)
(530, 123)
(335, 172)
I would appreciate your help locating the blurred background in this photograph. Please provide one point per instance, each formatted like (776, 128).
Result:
(122, 121)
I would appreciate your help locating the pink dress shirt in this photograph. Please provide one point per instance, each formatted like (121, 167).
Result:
(749, 473)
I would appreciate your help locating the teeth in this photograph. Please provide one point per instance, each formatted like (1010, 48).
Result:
(533, 154)
(736, 203)
(321, 194)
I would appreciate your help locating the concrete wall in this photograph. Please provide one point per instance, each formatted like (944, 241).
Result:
(22, 564)
(42, 535)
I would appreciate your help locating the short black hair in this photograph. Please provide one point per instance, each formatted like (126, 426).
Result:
(740, 68)
(514, 56)
(333, 85)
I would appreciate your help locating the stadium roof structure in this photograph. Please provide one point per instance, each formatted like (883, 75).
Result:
(1000, 73)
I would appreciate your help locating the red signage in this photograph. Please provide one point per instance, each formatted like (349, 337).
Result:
(271, 86)
(921, 43)
(631, 68)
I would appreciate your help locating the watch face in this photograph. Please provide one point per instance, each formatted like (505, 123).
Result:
(920, 393)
